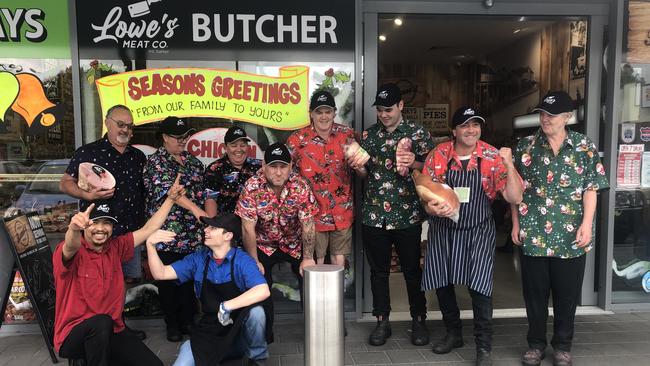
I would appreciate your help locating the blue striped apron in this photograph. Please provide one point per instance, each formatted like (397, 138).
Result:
(463, 252)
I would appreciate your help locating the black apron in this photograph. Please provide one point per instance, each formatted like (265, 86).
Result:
(463, 252)
(211, 341)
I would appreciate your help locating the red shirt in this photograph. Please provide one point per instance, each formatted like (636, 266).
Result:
(278, 219)
(323, 164)
(91, 284)
(493, 173)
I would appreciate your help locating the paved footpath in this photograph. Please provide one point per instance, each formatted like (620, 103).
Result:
(617, 339)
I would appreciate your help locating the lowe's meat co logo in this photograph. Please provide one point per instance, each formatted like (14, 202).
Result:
(134, 32)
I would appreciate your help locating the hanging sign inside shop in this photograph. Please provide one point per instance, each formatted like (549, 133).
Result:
(435, 118)
(628, 173)
(277, 102)
(198, 29)
(34, 29)
(638, 34)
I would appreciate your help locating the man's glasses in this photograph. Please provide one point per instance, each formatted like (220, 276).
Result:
(183, 138)
(122, 125)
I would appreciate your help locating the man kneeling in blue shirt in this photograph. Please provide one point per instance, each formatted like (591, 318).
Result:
(229, 286)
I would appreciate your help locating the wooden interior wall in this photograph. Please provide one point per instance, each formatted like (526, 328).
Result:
(556, 53)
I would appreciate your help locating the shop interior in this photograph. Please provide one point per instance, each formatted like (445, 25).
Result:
(501, 66)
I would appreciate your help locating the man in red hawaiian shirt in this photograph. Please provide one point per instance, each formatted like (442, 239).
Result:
(317, 152)
(277, 208)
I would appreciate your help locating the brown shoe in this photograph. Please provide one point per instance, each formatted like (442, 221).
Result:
(533, 357)
(562, 358)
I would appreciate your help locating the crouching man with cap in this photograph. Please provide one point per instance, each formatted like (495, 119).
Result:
(90, 291)
(277, 208)
(462, 252)
(229, 286)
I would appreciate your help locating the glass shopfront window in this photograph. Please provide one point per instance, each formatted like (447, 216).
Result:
(244, 41)
(631, 255)
(37, 134)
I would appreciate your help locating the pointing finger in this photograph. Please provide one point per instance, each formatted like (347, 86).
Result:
(89, 209)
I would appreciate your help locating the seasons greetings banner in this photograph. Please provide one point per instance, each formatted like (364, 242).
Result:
(278, 102)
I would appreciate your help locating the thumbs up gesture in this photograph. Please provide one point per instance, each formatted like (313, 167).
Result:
(81, 220)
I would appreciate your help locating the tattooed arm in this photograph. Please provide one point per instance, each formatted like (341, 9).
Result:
(308, 242)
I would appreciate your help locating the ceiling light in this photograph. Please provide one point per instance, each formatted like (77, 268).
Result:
(382, 37)
(398, 21)
(521, 19)
(516, 31)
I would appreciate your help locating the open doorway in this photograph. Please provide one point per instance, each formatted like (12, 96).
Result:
(501, 65)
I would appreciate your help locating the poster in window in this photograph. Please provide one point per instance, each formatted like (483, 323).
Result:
(578, 49)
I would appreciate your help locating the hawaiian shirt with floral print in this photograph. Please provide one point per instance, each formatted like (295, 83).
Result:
(324, 166)
(390, 200)
(494, 174)
(224, 182)
(552, 208)
(160, 172)
(278, 218)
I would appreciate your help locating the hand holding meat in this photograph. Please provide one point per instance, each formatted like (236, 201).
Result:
(403, 156)
(356, 156)
(444, 201)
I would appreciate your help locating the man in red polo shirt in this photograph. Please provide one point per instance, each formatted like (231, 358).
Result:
(90, 291)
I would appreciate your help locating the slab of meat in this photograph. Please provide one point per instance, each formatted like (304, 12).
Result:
(404, 145)
(93, 176)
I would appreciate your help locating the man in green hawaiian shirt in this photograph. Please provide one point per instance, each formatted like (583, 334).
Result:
(392, 214)
(554, 223)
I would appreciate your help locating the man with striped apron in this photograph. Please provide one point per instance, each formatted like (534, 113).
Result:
(463, 252)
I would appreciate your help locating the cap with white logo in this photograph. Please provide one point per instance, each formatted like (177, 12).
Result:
(321, 98)
(102, 211)
(388, 95)
(556, 102)
(277, 152)
(174, 126)
(235, 133)
(465, 114)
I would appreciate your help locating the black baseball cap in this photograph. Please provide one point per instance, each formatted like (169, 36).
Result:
(174, 126)
(277, 152)
(228, 221)
(556, 102)
(388, 95)
(465, 114)
(321, 98)
(102, 210)
(235, 133)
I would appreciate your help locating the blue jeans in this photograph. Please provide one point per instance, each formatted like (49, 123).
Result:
(251, 341)
(133, 267)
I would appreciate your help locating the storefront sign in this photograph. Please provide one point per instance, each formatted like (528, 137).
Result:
(34, 29)
(208, 146)
(192, 25)
(628, 173)
(638, 34)
(276, 102)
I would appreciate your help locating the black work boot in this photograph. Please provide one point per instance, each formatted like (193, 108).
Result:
(483, 357)
(260, 362)
(381, 333)
(451, 341)
(419, 332)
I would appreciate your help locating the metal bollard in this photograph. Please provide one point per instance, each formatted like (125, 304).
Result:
(324, 323)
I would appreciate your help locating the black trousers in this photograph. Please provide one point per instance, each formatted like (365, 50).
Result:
(178, 302)
(482, 307)
(542, 276)
(268, 262)
(94, 340)
(378, 245)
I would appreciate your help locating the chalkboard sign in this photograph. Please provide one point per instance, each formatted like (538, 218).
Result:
(34, 259)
